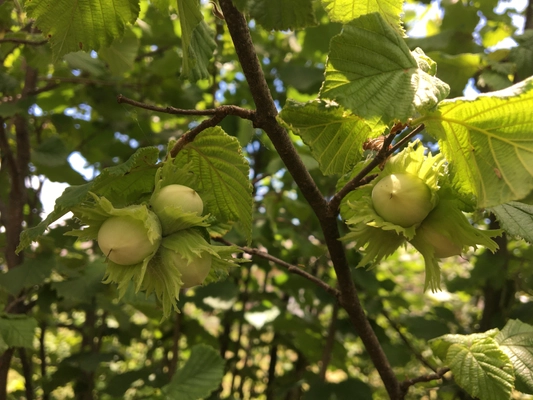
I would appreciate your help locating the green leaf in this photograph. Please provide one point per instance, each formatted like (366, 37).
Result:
(482, 369)
(441, 344)
(345, 11)
(334, 135)
(201, 375)
(82, 24)
(371, 71)
(32, 272)
(83, 61)
(17, 330)
(82, 289)
(516, 218)
(120, 56)
(283, 15)
(197, 41)
(488, 143)
(522, 55)
(516, 340)
(119, 184)
(217, 161)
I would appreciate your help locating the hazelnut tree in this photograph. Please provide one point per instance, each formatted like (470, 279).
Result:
(248, 157)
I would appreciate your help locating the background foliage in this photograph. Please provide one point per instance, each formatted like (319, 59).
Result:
(264, 332)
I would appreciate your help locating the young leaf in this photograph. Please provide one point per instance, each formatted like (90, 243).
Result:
(371, 71)
(516, 218)
(516, 340)
(482, 369)
(345, 11)
(334, 135)
(197, 41)
(216, 160)
(201, 375)
(488, 143)
(83, 24)
(17, 330)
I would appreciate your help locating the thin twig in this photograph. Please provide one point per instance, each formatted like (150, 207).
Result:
(383, 154)
(189, 136)
(222, 110)
(291, 268)
(405, 385)
(416, 353)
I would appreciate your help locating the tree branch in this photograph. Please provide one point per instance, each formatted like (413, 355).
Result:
(405, 385)
(330, 342)
(291, 268)
(222, 110)
(266, 120)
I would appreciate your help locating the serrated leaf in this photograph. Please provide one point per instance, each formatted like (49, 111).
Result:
(488, 143)
(334, 135)
(18, 330)
(372, 72)
(440, 345)
(482, 369)
(516, 218)
(201, 374)
(283, 15)
(216, 160)
(516, 340)
(83, 24)
(197, 41)
(347, 10)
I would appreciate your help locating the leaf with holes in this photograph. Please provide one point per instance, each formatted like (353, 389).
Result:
(488, 142)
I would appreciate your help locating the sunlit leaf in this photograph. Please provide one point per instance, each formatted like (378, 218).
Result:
(482, 369)
(334, 135)
(488, 142)
(516, 340)
(347, 10)
(372, 72)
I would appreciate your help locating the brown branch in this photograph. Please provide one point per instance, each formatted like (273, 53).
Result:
(266, 119)
(291, 268)
(176, 335)
(383, 154)
(24, 41)
(189, 136)
(405, 385)
(406, 341)
(330, 342)
(28, 373)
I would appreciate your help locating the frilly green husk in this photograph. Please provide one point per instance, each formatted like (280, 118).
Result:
(380, 238)
(174, 219)
(161, 277)
(94, 214)
(410, 161)
(448, 220)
